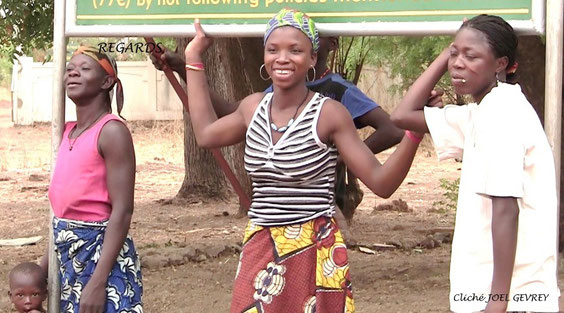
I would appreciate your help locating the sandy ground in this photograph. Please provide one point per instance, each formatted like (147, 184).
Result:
(189, 250)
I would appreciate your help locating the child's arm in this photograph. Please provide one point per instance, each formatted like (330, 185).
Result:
(409, 113)
(505, 217)
(116, 147)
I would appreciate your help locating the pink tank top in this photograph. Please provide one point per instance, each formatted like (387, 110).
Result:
(78, 189)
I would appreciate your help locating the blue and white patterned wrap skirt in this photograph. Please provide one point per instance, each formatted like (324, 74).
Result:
(79, 245)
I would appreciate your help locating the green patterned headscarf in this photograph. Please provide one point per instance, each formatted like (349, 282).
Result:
(296, 19)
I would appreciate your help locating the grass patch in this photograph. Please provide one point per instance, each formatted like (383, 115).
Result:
(5, 72)
(450, 196)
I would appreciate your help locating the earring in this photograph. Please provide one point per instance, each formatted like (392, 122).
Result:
(260, 73)
(497, 76)
(314, 74)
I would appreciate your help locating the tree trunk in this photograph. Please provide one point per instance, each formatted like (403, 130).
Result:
(531, 58)
(202, 176)
(232, 67)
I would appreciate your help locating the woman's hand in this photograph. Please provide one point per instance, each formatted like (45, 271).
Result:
(168, 58)
(199, 44)
(93, 297)
(435, 98)
(409, 113)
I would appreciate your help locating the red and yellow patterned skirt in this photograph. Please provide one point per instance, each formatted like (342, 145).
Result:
(296, 268)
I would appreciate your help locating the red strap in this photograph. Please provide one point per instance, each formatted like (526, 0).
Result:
(243, 198)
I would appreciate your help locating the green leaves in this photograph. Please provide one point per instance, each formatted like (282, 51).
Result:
(404, 58)
(450, 196)
(25, 25)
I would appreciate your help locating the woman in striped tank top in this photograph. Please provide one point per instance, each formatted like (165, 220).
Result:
(294, 258)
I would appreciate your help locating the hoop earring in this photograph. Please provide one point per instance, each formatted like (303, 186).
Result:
(314, 74)
(260, 73)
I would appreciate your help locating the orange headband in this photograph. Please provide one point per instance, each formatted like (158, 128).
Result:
(101, 58)
(109, 66)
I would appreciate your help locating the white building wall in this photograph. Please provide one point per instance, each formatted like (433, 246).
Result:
(147, 93)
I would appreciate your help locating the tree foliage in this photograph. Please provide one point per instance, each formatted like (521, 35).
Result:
(25, 25)
(404, 58)
(350, 57)
(450, 195)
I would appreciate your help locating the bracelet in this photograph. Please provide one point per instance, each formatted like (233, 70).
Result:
(413, 137)
(195, 66)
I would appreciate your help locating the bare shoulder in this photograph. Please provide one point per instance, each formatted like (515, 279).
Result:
(333, 117)
(114, 136)
(334, 112)
(115, 128)
(331, 104)
(250, 103)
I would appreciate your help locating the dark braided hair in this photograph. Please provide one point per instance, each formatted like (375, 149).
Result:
(500, 35)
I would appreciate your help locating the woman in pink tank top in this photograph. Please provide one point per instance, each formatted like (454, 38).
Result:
(91, 194)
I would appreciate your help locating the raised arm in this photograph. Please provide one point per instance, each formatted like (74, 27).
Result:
(409, 113)
(221, 106)
(384, 179)
(209, 131)
(385, 135)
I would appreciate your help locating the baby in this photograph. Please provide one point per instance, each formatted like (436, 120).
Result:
(28, 288)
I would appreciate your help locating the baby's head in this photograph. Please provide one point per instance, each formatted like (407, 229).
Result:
(28, 287)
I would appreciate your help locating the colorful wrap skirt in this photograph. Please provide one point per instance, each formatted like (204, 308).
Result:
(79, 245)
(296, 268)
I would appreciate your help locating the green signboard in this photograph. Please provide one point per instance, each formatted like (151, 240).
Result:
(362, 13)
(258, 11)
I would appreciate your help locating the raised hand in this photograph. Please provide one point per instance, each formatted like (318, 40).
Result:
(169, 58)
(435, 98)
(199, 44)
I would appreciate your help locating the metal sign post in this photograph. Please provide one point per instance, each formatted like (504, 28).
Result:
(553, 85)
(57, 127)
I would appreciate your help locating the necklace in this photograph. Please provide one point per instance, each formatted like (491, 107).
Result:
(324, 73)
(72, 142)
(290, 122)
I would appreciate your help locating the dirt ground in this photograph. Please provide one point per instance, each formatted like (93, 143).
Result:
(189, 250)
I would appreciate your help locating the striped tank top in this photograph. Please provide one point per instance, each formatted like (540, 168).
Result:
(293, 180)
